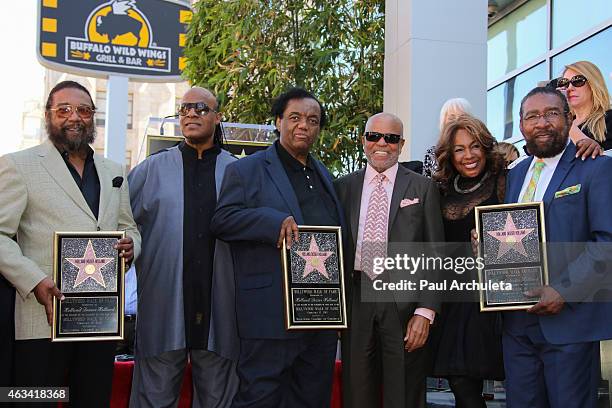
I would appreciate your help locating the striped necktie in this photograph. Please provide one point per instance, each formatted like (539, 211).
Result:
(374, 242)
(533, 183)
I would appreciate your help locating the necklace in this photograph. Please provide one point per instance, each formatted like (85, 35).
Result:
(471, 189)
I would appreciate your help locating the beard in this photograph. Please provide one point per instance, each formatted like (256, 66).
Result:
(59, 135)
(556, 146)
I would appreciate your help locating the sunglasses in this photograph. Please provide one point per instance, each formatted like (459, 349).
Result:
(577, 81)
(65, 111)
(390, 138)
(200, 108)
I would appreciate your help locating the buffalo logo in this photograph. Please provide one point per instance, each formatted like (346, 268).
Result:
(119, 22)
(118, 34)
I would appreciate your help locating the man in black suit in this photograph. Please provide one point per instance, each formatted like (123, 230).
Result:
(263, 199)
(385, 203)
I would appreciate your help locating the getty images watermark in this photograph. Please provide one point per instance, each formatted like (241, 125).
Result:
(435, 282)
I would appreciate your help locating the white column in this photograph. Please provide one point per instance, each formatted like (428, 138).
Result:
(116, 118)
(434, 50)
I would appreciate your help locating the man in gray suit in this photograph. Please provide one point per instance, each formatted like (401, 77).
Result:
(185, 277)
(383, 350)
(60, 185)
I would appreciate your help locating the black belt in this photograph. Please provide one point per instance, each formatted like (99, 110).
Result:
(129, 317)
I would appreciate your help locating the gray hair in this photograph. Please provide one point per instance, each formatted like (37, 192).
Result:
(454, 107)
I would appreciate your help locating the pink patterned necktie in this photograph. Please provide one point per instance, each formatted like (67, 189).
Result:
(374, 242)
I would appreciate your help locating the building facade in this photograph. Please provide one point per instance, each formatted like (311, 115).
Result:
(530, 41)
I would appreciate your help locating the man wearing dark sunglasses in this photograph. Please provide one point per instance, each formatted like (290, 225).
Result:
(263, 200)
(385, 203)
(60, 185)
(185, 277)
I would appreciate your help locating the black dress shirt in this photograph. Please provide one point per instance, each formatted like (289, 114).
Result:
(200, 199)
(89, 184)
(316, 203)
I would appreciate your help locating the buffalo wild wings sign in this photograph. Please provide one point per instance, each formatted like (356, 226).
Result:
(142, 39)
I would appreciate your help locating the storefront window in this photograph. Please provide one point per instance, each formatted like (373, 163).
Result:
(504, 101)
(595, 49)
(571, 18)
(516, 39)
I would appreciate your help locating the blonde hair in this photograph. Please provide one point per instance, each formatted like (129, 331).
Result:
(506, 149)
(453, 108)
(595, 121)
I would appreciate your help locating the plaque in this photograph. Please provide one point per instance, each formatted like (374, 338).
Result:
(313, 278)
(512, 245)
(90, 274)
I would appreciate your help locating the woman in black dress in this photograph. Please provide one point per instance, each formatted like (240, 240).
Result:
(466, 342)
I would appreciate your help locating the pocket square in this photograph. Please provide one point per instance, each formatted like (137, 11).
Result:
(117, 181)
(408, 201)
(568, 191)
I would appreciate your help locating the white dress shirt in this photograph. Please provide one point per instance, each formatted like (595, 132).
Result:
(550, 164)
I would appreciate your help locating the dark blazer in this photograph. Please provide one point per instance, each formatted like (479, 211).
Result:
(256, 196)
(420, 222)
(579, 232)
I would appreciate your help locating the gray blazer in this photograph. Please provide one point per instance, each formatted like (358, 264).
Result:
(38, 196)
(157, 202)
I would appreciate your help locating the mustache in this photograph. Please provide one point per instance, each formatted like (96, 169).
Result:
(555, 145)
(78, 126)
(58, 135)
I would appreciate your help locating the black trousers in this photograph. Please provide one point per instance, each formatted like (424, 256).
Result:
(126, 346)
(85, 367)
(376, 369)
(7, 332)
(292, 373)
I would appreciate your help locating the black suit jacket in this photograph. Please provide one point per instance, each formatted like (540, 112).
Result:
(416, 223)
(255, 198)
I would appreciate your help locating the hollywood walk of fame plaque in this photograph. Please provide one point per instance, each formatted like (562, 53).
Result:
(89, 272)
(313, 277)
(513, 250)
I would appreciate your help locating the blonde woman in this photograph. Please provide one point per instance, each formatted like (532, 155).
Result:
(508, 151)
(451, 109)
(589, 100)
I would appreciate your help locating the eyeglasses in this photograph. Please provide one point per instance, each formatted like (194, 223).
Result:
(65, 111)
(550, 116)
(390, 138)
(200, 108)
(577, 81)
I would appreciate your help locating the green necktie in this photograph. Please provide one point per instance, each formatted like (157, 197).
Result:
(533, 183)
